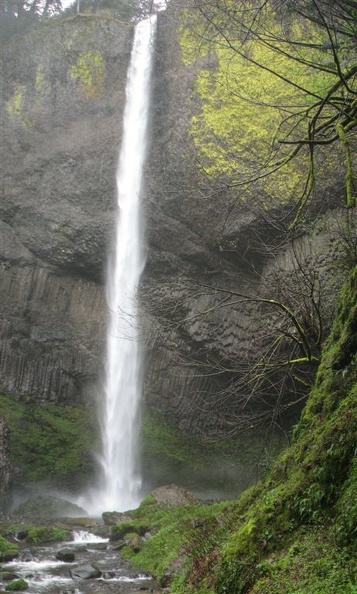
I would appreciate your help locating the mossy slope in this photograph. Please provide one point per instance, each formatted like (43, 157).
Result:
(295, 532)
(50, 443)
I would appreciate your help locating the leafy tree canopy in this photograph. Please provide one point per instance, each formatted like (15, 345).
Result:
(17, 15)
(25, 8)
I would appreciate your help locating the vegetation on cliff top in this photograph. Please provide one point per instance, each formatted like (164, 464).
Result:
(296, 531)
(18, 16)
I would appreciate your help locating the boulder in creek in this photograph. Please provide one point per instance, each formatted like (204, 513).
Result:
(8, 550)
(84, 522)
(8, 576)
(17, 586)
(66, 555)
(98, 546)
(86, 572)
(124, 530)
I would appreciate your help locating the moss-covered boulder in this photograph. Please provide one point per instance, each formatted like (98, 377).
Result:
(8, 550)
(17, 586)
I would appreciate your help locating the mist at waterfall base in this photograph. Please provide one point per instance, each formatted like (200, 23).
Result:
(119, 483)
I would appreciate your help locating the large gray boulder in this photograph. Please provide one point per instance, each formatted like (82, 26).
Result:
(86, 572)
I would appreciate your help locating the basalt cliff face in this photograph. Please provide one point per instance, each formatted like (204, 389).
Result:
(205, 248)
(64, 97)
(65, 89)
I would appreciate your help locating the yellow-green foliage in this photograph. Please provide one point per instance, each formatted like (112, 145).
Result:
(39, 79)
(14, 106)
(246, 109)
(89, 73)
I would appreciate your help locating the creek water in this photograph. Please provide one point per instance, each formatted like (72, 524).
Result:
(120, 483)
(45, 574)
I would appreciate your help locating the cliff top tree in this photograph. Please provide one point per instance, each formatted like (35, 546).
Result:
(17, 15)
(22, 8)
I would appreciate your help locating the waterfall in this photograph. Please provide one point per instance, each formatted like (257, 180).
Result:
(120, 483)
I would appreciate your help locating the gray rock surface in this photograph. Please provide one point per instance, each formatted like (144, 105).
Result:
(66, 555)
(64, 92)
(86, 572)
(62, 127)
(201, 235)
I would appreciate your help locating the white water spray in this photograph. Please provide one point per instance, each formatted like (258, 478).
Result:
(120, 483)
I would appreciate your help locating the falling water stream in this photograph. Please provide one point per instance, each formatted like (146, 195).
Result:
(120, 482)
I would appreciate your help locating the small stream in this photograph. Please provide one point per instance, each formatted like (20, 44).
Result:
(93, 556)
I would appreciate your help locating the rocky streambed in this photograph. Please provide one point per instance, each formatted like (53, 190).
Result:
(86, 564)
(48, 547)
(45, 549)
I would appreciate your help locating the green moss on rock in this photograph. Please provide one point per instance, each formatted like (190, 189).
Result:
(50, 443)
(166, 445)
(17, 586)
(45, 534)
(125, 529)
(8, 550)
